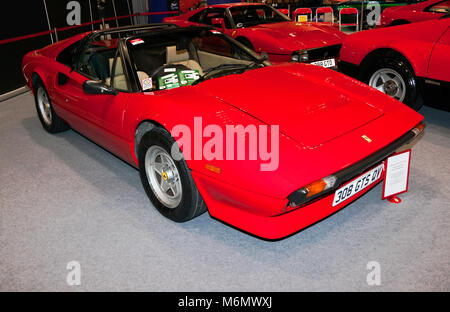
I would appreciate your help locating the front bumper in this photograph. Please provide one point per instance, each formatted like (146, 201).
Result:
(244, 214)
(359, 168)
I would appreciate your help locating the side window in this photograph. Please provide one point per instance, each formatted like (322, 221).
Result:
(66, 56)
(118, 80)
(215, 13)
(196, 17)
(94, 61)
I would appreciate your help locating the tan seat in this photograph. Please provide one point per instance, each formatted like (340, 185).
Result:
(181, 57)
(120, 81)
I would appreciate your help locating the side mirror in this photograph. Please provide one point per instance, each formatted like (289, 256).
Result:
(98, 87)
(218, 22)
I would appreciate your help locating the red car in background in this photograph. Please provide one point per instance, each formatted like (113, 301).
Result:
(406, 62)
(264, 29)
(119, 88)
(428, 10)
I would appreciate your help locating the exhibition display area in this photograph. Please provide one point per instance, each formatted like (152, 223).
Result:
(215, 146)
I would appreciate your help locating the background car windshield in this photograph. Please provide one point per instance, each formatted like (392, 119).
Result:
(442, 7)
(163, 54)
(255, 14)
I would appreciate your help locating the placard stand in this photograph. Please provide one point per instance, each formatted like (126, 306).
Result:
(396, 176)
(394, 199)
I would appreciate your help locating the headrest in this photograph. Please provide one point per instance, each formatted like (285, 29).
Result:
(174, 56)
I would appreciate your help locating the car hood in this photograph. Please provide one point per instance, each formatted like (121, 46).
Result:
(299, 36)
(311, 105)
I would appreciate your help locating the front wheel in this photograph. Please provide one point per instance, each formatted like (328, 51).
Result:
(47, 115)
(167, 181)
(394, 77)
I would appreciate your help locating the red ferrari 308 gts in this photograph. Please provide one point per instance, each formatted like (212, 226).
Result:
(145, 93)
(406, 62)
(423, 11)
(264, 29)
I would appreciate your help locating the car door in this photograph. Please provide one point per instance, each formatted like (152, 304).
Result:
(439, 65)
(99, 117)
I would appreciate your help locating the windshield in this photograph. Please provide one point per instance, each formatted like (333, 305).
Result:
(166, 60)
(250, 15)
(441, 7)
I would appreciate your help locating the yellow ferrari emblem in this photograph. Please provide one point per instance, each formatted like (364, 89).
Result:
(164, 176)
(365, 137)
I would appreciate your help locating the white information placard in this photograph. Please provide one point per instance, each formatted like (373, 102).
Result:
(397, 174)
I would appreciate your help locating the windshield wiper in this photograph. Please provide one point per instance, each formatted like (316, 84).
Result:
(223, 66)
(220, 68)
(264, 57)
(231, 67)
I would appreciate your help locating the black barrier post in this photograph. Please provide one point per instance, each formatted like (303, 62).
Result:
(90, 12)
(362, 14)
(129, 11)
(115, 12)
(48, 20)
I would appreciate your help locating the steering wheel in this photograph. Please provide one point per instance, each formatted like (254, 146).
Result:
(166, 70)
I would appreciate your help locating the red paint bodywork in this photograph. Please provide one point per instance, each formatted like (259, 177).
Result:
(278, 40)
(410, 13)
(322, 115)
(426, 46)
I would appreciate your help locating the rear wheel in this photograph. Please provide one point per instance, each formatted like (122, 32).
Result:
(167, 181)
(47, 115)
(393, 76)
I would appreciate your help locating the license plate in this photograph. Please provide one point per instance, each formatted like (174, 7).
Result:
(325, 63)
(357, 185)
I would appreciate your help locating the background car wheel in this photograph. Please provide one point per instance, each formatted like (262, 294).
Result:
(168, 182)
(394, 76)
(49, 120)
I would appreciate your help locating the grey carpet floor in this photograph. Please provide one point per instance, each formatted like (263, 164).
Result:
(63, 198)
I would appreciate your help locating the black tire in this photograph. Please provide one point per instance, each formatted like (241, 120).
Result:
(191, 204)
(246, 42)
(413, 97)
(54, 124)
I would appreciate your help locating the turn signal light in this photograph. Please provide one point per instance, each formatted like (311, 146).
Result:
(312, 189)
(419, 128)
(212, 168)
(315, 188)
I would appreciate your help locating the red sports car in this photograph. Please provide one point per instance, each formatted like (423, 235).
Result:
(404, 61)
(284, 145)
(405, 14)
(264, 29)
